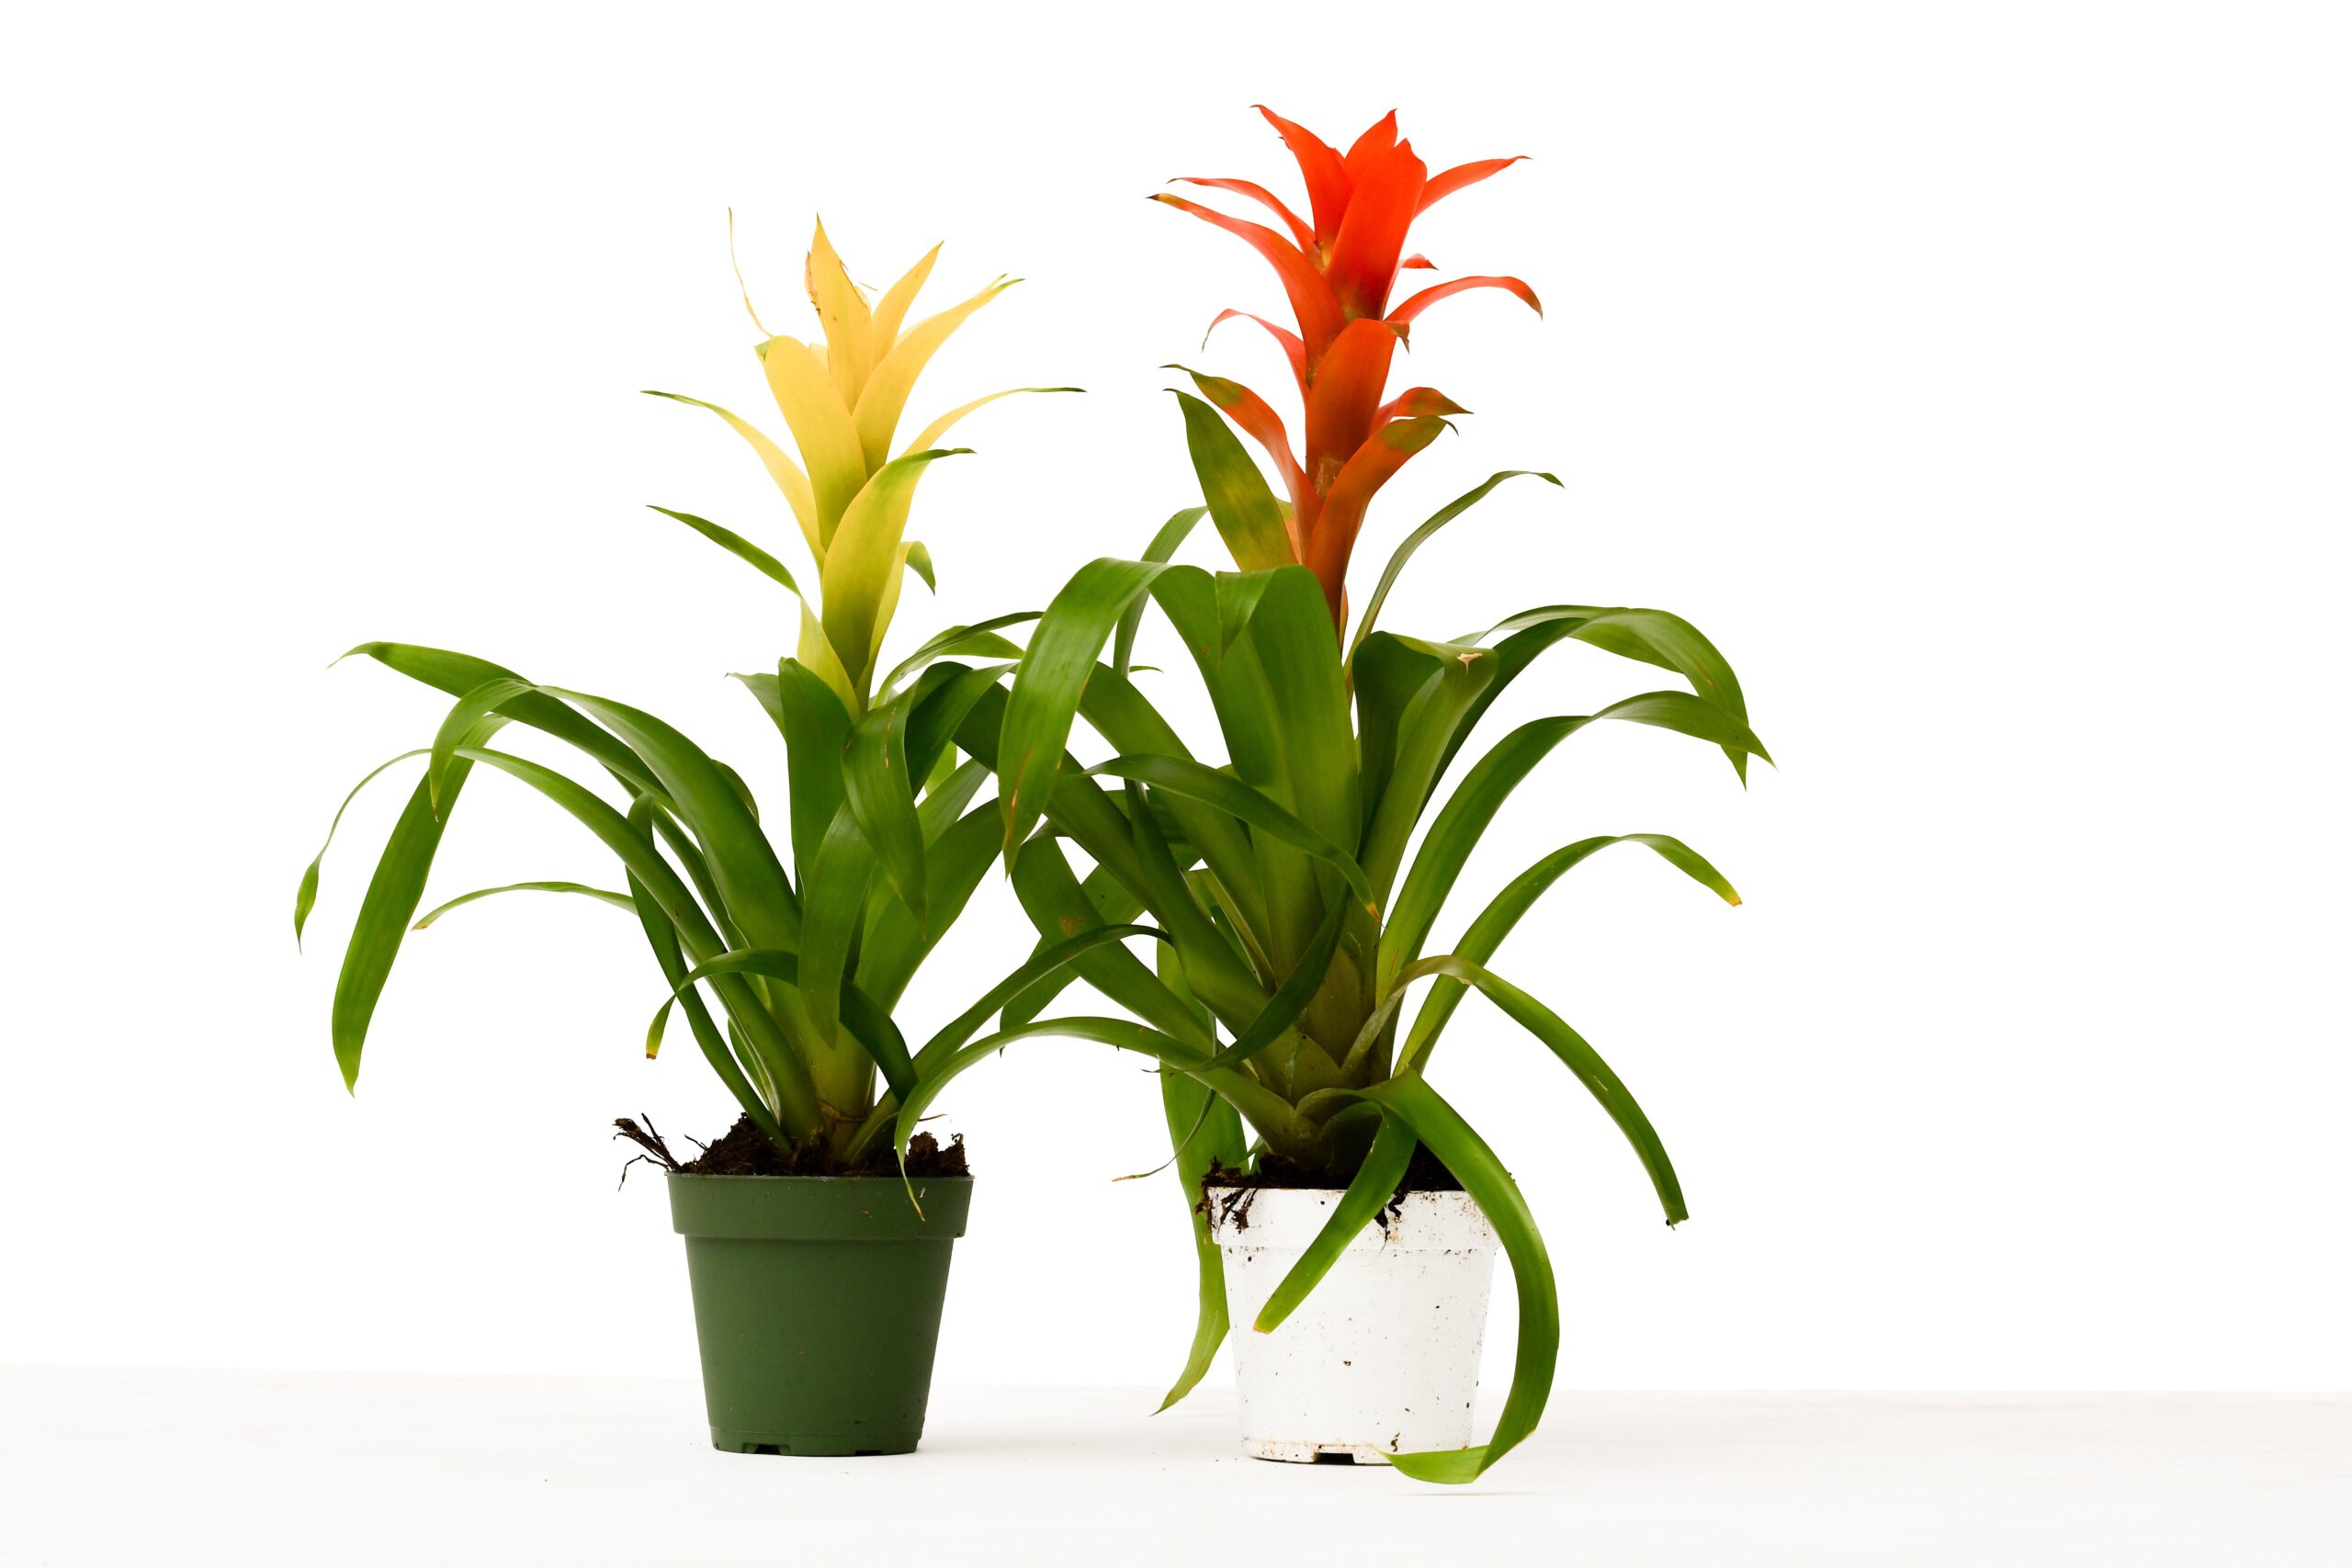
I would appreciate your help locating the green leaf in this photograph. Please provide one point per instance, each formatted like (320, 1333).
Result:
(862, 558)
(941, 700)
(463, 727)
(787, 474)
(1202, 1128)
(1163, 547)
(952, 789)
(1245, 804)
(458, 673)
(1058, 906)
(1460, 828)
(1414, 699)
(1494, 922)
(1040, 970)
(620, 901)
(918, 562)
(979, 640)
(1650, 637)
(1128, 723)
(1444, 514)
(816, 734)
(954, 862)
(881, 796)
(796, 1093)
(1297, 989)
(743, 863)
(1238, 498)
(392, 897)
(1115, 904)
(1042, 966)
(306, 892)
(866, 1019)
(1289, 629)
(662, 935)
(1375, 1180)
(1172, 894)
(1081, 809)
(837, 884)
(927, 715)
(652, 816)
(1439, 1125)
(1571, 1048)
(1052, 678)
(1214, 1134)
(1462, 822)
(1124, 1034)
(735, 544)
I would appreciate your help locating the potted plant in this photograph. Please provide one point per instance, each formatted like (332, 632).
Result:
(1294, 920)
(819, 1262)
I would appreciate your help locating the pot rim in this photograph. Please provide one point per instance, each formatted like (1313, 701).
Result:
(819, 1208)
(1286, 1219)
(837, 1180)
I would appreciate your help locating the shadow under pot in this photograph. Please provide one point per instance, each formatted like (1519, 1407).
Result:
(1382, 1357)
(817, 1305)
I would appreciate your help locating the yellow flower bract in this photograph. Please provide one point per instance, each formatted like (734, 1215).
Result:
(842, 398)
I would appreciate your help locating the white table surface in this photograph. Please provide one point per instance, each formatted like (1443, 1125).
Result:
(128, 1466)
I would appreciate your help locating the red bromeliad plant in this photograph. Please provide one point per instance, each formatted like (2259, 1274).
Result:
(1339, 271)
(1293, 920)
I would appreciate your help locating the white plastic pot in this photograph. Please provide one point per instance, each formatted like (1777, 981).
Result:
(1383, 1356)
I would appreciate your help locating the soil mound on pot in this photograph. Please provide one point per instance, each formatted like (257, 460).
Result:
(1427, 1173)
(1227, 1193)
(747, 1151)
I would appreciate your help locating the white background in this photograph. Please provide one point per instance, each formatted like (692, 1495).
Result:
(1976, 375)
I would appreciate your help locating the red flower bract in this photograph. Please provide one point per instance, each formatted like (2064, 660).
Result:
(1338, 268)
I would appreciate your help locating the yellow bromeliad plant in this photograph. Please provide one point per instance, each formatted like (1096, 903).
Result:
(843, 397)
(883, 832)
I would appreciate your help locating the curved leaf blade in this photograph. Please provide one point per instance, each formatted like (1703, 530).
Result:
(1250, 806)
(796, 1093)
(619, 900)
(306, 891)
(880, 791)
(1246, 515)
(1290, 999)
(1438, 1125)
(863, 561)
(1494, 922)
(1462, 823)
(1052, 679)
(734, 544)
(743, 863)
(393, 894)
(1420, 536)
(1383, 1167)
(1573, 1050)
(1040, 967)
(1163, 547)
(977, 639)
(874, 1028)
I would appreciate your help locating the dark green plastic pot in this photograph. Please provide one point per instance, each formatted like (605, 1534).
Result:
(816, 1302)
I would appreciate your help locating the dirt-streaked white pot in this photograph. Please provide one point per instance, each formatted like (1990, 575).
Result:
(1383, 1356)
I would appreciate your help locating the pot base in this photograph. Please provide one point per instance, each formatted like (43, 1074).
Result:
(807, 1445)
(1312, 1453)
